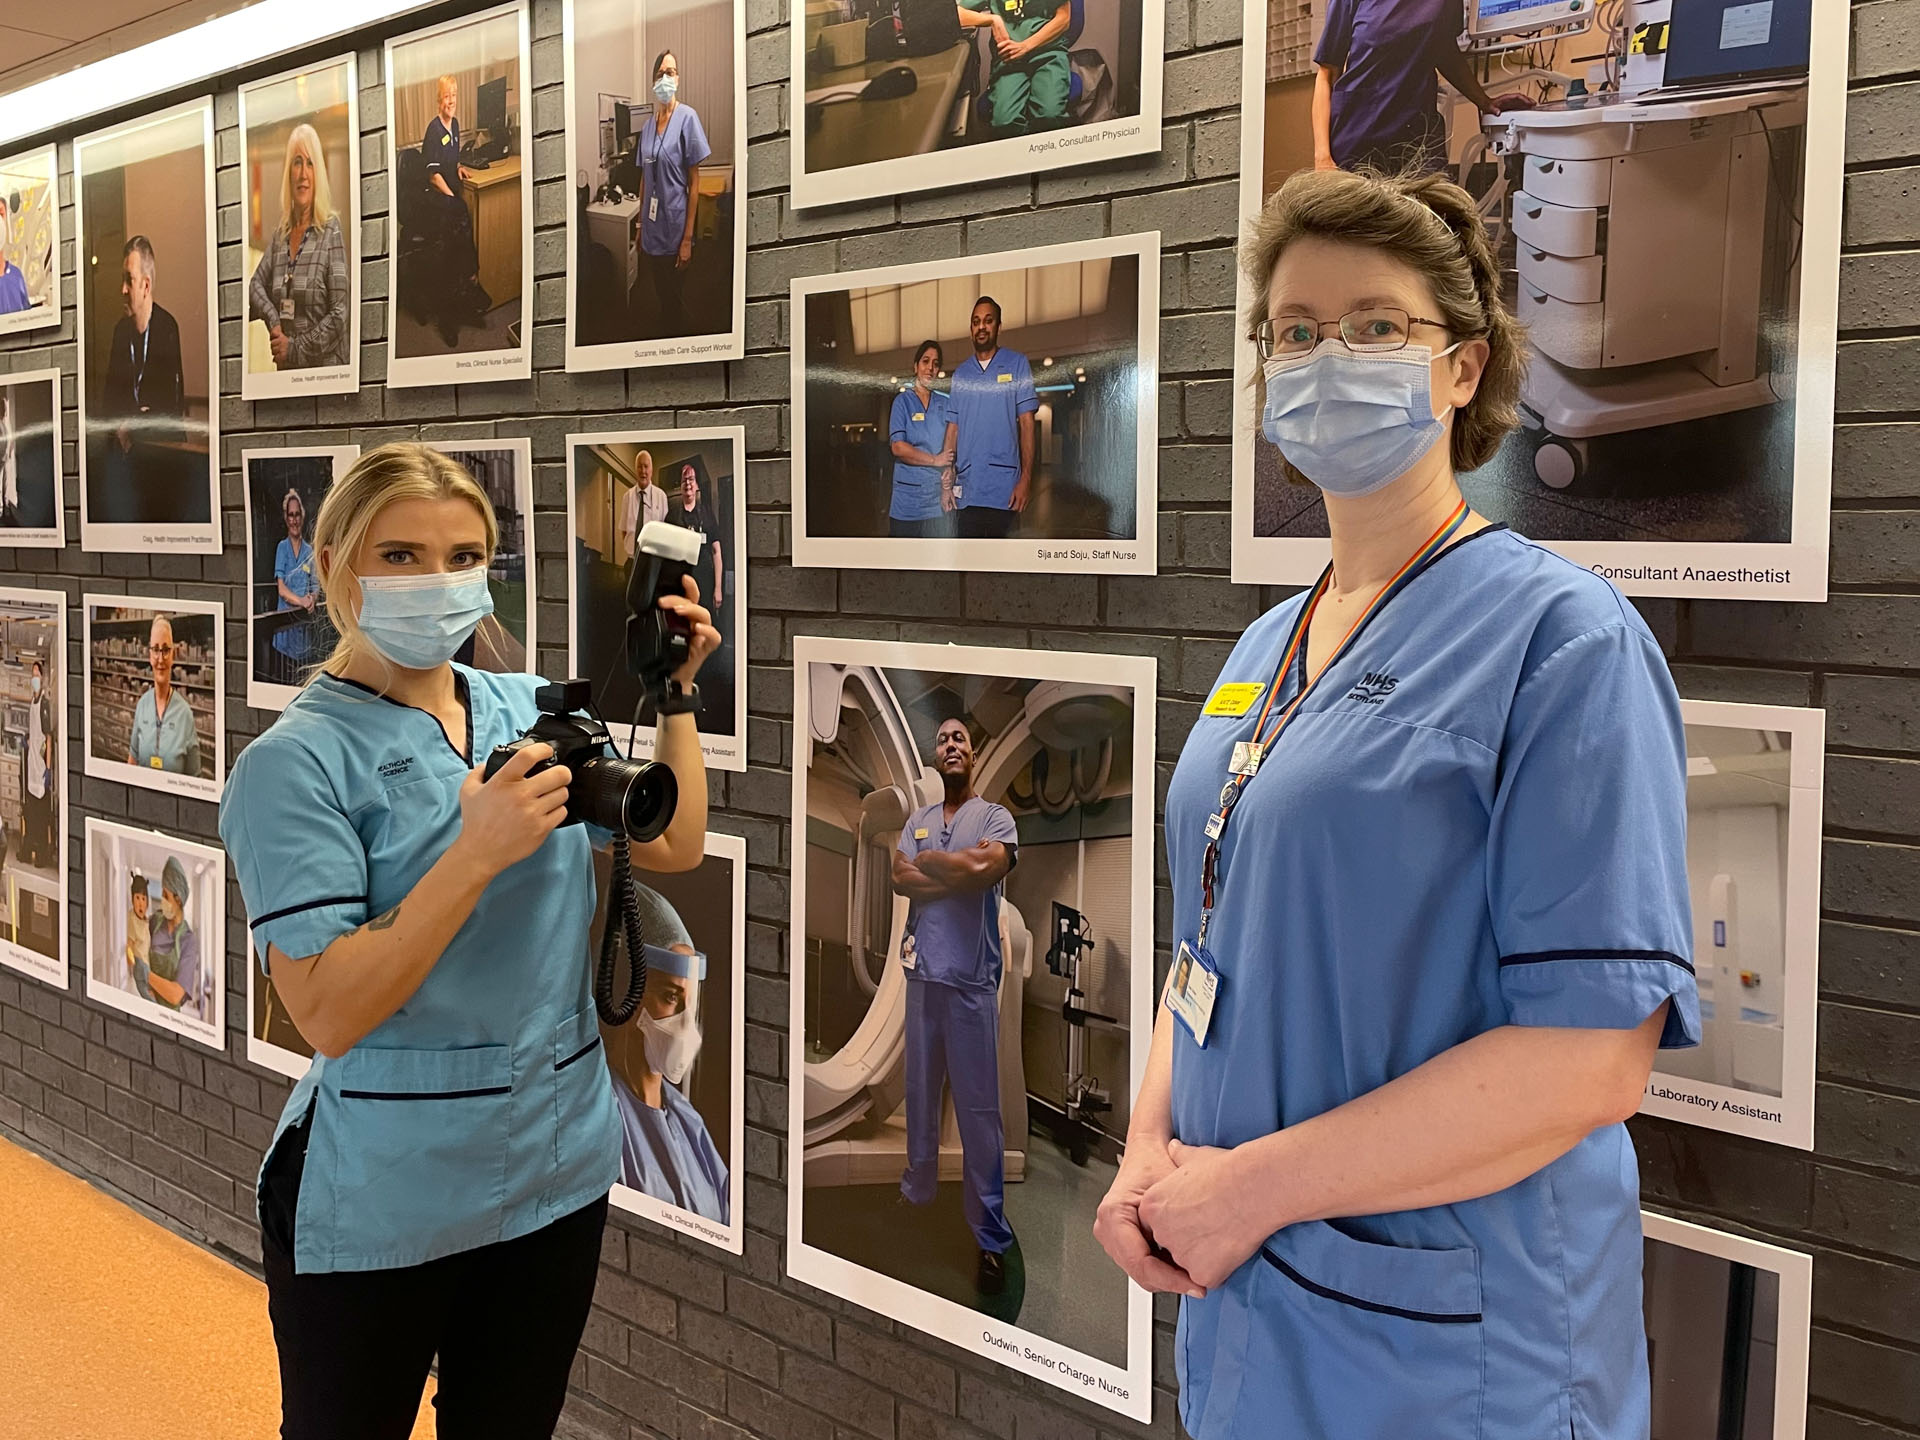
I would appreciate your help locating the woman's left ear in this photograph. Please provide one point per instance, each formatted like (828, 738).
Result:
(1469, 364)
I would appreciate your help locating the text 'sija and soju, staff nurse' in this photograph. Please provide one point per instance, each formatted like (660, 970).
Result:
(1428, 855)
(438, 1181)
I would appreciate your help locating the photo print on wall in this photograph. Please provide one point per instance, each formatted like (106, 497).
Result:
(29, 241)
(156, 929)
(1667, 224)
(33, 784)
(155, 704)
(33, 512)
(971, 1218)
(287, 629)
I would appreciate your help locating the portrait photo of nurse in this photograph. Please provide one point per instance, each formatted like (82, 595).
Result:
(300, 195)
(29, 241)
(288, 632)
(155, 706)
(995, 412)
(679, 1066)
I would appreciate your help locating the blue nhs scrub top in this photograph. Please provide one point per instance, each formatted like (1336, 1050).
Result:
(956, 941)
(481, 1110)
(665, 161)
(1477, 819)
(165, 742)
(916, 488)
(669, 1154)
(988, 402)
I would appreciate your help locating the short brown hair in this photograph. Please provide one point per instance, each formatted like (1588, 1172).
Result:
(1432, 226)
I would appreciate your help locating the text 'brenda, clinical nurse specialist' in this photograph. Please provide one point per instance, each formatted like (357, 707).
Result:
(438, 1182)
(1428, 853)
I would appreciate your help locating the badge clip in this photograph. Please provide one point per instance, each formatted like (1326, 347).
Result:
(1246, 758)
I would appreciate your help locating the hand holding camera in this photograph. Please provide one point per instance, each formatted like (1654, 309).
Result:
(510, 805)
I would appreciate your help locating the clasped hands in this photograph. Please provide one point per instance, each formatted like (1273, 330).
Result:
(1005, 45)
(1177, 1217)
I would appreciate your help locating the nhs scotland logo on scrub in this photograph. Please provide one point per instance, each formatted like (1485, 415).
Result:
(1373, 688)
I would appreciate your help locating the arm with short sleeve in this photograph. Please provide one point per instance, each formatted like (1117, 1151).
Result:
(1587, 843)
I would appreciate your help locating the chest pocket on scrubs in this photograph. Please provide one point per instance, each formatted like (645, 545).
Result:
(580, 1091)
(1385, 1340)
(422, 1124)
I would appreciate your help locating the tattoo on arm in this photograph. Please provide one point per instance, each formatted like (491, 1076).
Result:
(384, 922)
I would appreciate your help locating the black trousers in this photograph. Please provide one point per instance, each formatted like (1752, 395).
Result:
(670, 291)
(355, 1346)
(977, 522)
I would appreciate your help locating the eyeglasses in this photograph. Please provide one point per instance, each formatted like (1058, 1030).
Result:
(160, 649)
(1371, 331)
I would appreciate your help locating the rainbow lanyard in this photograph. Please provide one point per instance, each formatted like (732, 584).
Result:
(1265, 736)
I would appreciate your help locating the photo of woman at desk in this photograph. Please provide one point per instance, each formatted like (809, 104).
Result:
(1660, 183)
(656, 120)
(301, 217)
(993, 88)
(462, 262)
(147, 328)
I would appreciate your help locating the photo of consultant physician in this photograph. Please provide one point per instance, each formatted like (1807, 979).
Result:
(940, 93)
(156, 929)
(300, 192)
(288, 633)
(458, 118)
(973, 940)
(990, 413)
(622, 481)
(1754, 788)
(657, 128)
(33, 779)
(155, 707)
(29, 241)
(148, 330)
(1672, 220)
(32, 509)
(679, 1066)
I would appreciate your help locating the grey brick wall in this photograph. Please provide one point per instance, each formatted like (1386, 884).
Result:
(693, 1345)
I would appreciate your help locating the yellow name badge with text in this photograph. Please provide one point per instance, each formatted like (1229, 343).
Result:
(1004, 380)
(154, 763)
(921, 833)
(1234, 698)
(919, 415)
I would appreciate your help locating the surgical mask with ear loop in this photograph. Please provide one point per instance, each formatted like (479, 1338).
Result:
(673, 1043)
(1353, 422)
(665, 88)
(421, 621)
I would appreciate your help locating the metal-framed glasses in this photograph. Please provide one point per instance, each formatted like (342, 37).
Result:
(1369, 331)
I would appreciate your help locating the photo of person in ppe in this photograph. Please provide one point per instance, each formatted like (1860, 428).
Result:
(1384, 1118)
(173, 950)
(665, 1148)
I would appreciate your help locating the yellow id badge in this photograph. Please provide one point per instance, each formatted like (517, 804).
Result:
(921, 833)
(154, 763)
(1235, 698)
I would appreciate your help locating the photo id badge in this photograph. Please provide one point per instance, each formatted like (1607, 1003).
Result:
(1246, 758)
(653, 208)
(909, 960)
(1191, 990)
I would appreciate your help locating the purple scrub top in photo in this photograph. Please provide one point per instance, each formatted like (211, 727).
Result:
(1387, 52)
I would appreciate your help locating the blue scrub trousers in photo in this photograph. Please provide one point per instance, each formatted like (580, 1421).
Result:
(952, 1036)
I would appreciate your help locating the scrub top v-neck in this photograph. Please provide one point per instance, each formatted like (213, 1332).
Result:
(481, 1109)
(1475, 819)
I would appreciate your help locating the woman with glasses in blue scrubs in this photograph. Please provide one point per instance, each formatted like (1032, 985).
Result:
(1427, 843)
(437, 1185)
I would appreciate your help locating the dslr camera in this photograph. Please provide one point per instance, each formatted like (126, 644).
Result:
(631, 798)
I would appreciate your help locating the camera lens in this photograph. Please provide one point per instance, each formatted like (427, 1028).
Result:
(636, 797)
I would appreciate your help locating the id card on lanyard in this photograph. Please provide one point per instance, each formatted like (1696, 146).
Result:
(138, 362)
(652, 163)
(1195, 1008)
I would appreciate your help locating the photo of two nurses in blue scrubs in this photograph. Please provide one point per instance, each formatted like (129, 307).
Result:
(156, 929)
(970, 414)
(679, 1065)
(965, 932)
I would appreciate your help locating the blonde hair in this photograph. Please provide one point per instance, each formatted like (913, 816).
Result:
(294, 495)
(400, 471)
(304, 134)
(1432, 226)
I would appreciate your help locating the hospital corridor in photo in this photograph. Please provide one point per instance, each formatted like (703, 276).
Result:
(1057, 755)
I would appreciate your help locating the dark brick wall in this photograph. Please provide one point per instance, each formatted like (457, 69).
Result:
(694, 1345)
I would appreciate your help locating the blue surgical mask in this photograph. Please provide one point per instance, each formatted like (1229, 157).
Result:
(665, 88)
(421, 621)
(1351, 422)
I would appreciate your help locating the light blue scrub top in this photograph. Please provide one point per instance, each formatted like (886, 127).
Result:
(916, 488)
(169, 739)
(668, 1153)
(956, 941)
(665, 164)
(987, 405)
(1477, 819)
(295, 641)
(481, 1110)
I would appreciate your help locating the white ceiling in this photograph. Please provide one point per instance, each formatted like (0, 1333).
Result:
(44, 38)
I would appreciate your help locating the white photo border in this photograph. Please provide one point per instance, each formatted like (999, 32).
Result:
(264, 694)
(1794, 1340)
(1138, 556)
(264, 1053)
(42, 538)
(137, 538)
(167, 783)
(522, 449)
(14, 956)
(672, 349)
(1732, 570)
(483, 367)
(333, 379)
(991, 160)
(40, 317)
(1700, 1102)
(1127, 1389)
(213, 1033)
(731, 1237)
(722, 752)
